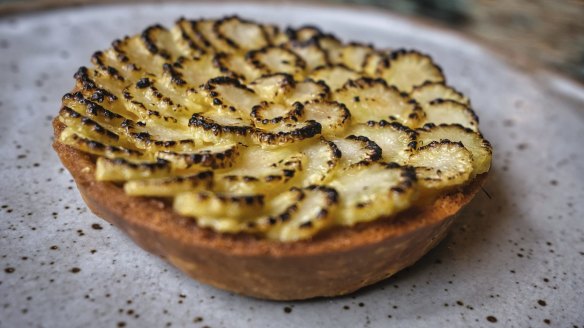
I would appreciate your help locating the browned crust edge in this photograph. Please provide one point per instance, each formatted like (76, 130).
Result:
(333, 263)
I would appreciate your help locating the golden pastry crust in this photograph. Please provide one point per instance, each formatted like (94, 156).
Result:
(334, 262)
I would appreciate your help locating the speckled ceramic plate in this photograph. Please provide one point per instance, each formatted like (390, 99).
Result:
(516, 258)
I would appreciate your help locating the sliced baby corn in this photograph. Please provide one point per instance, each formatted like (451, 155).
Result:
(430, 91)
(407, 69)
(119, 169)
(214, 157)
(397, 142)
(313, 211)
(357, 150)
(335, 76)
(442, 164)
(168, 187)
(370, 192)
(480, 148)
(441, 111)
(373, 100)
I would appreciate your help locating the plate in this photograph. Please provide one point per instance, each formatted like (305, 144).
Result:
(515, 258)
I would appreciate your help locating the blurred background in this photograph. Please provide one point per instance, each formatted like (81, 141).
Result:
(531, 32)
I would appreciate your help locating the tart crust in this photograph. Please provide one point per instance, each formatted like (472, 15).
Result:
(335, 262)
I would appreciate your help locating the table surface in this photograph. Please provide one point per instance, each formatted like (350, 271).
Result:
(514, 259)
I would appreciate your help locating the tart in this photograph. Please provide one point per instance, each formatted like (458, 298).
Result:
(278, 164)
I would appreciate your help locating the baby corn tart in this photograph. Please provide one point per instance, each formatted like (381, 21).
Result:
(255, 141)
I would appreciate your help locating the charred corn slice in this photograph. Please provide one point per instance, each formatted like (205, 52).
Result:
(373, 100)
(335, 76)
(314, 211)
(273, 114)
(480, 148)
(353, 56)
(275, 35)
(159, 42)
(197, 70)
(259, 171)
(357, 150)
(241, 34)
(303, 33)
(322, 157)
(396, 141)
(373, 191)
(406, 69)
(214, 157)
(188, 43)
(206, 204)
(84, 125)
(273, 59)
(442, 164)
(168, 187)
(70, 137)
(229, 94)
(372, 60)
(119, 169)
(451, 112)
(273, 87)
(429, 91)
(333, 116)
(217, 127)
(236, 66)
(98, 113)
(206, 31)
(312, 54)
(286, 133)
(308, 90)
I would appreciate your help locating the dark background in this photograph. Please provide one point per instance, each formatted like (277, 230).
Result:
(540, 32)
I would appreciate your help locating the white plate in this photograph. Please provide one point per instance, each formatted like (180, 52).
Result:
(517, 256)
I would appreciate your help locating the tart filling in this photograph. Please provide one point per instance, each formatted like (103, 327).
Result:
(283, 134)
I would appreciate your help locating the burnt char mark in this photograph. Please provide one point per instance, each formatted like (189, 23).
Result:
(252, 57)
(232, 43)
(91, 107)
(218, 62)
(195, 29)
(399, 127)
(398, 53)
(87, 84)
(309, 130)
(332, 194)
(305, 225)
(143, 83)
(345, 113)
(456, 103)
(182, 23)
(175, 76)
(217, 31)
(247, 200)
(225, 80)
(293, 115)
(374, 151)
(160, 164)
(337, 154)
(288, 80)
(142, 136)
(410, 174)
(198, 120)
(98, 146)
(364, 82)
(205, 158)
(67, 112)
(149, 40)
